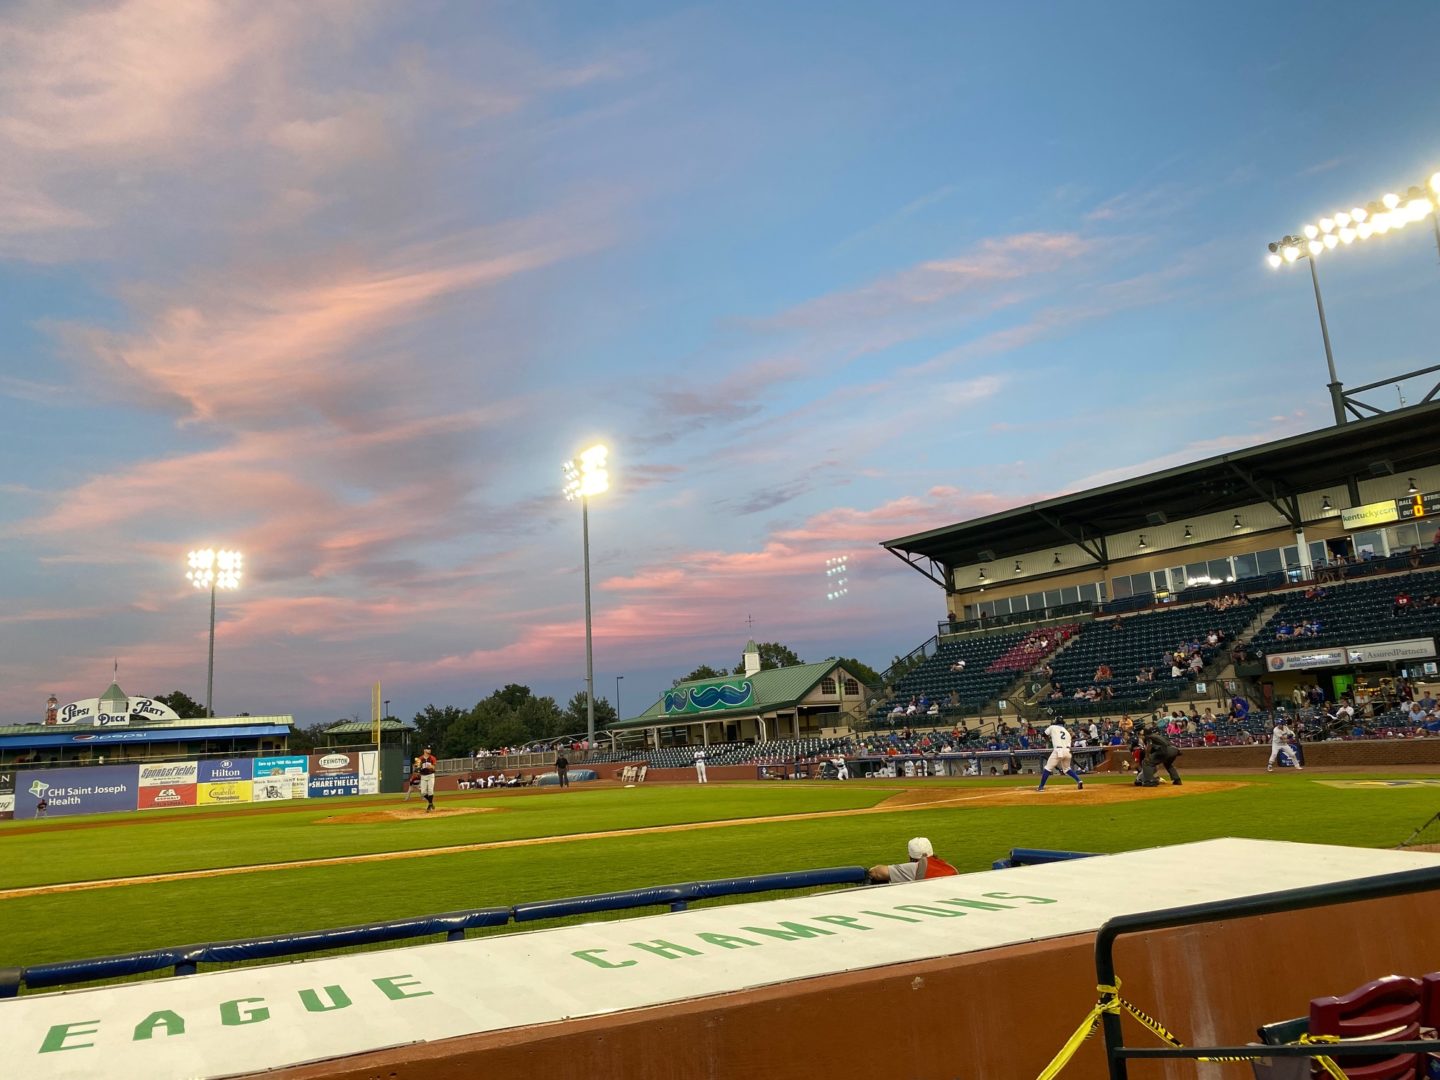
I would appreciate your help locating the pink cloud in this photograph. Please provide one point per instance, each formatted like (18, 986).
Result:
(991, 262)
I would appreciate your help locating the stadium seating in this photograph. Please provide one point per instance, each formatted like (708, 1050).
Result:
(1141, 641)
(1356, 613)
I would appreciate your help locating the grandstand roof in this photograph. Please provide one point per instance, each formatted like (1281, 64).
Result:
(1398, 440)
(773, 688)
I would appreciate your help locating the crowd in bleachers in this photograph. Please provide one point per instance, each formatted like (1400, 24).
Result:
(1371, 610)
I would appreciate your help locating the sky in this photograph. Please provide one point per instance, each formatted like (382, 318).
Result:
(342, 283)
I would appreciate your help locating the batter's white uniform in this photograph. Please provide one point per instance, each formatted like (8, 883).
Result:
(1280, 744)
(1059, 759)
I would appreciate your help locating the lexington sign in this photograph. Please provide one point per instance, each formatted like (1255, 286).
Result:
(259, 1018)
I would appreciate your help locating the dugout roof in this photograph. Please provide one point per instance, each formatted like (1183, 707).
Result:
(1394, 442)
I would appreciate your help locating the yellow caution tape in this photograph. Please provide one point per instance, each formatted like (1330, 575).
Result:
(1111, 1002)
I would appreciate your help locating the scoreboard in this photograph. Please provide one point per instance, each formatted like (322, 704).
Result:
(1418, 506)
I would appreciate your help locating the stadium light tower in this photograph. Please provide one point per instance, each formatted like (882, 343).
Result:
(1389, 213)
(585, 476)
(210, 569)
(1287, 251)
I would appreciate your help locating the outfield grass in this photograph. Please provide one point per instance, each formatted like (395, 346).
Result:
(101, 921)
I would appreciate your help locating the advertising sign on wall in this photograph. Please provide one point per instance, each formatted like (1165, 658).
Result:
(334, 774)
(98, 789)
(714, 696)
(216, 770)
(226, 791)
(281, 778)
(161, 796)
(168, 775)
(369, 772)
(1374, 653)
(7, 794)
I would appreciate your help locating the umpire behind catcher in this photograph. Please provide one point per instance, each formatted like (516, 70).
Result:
(1159, 751)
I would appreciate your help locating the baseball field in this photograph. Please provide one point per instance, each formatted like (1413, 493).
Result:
(82, 887)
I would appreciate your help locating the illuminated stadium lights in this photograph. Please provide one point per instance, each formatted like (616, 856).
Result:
(1188, 534)
(587, 475)
(1018, 570)
(1237, 526)
(1057, 559)
(1412, 489)
(211, 569)
(1142, 545)
(836, 569)
(1392, 211)
(1287, 250)
(1325, 507)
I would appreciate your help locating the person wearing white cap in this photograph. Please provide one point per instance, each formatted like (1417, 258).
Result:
(924, 863)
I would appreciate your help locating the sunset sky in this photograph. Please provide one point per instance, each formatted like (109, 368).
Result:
(342, 283)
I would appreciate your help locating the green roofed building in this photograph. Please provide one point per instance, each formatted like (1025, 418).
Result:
(778, 703)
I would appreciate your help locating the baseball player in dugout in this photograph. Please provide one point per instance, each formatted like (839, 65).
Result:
(428, 765)
(924, 863)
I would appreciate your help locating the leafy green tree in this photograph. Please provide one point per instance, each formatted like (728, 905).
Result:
(867, 675)
(575, 715)
(304, 740)
(186, 707)
(704, 671)
(432, 725)
(772, 655)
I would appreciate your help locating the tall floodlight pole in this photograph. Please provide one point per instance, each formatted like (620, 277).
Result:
(618, 714)
(585, 476)
(1389, 213)
(211, 569)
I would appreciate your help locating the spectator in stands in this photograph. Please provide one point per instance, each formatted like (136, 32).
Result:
(1299, 697)
(924, 863)
(1317, 696)
(913, 708)
(958, 666)
(1414, 557)
(1402, 604)
(1416, 715)
(898, 710)
(1103, 673)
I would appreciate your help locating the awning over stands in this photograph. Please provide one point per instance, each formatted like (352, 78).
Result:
(1394, 443)
(112, 736)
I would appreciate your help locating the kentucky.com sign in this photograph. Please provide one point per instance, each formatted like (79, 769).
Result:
(99, 789)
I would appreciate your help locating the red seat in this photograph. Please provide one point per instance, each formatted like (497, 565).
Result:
(1430, 1009)
(1386, 1010)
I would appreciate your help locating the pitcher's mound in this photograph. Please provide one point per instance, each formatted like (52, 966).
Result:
(402, 813)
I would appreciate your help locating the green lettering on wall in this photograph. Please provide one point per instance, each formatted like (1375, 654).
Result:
(592, 956)
(338, 1000)
(926, 909)
(849, 922)
(56, 1036)
(231, 1016)
(1020, 896)
(726, 941)
(173, 1023)
(978, 905)
(882, 915)
(396, 990)
(666, 949)
(793, 931)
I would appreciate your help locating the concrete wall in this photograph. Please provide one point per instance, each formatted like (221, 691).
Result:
(998, 1014)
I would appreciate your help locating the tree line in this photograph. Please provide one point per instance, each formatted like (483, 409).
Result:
(515, 715)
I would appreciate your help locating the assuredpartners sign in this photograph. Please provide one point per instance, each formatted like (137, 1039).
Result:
(1380, 652)
(7, 794)
(99, 789)
(254, 1019)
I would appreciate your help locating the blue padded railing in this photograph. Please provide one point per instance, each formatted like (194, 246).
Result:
(1035, 856)
(680, 896)
(185, 959)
